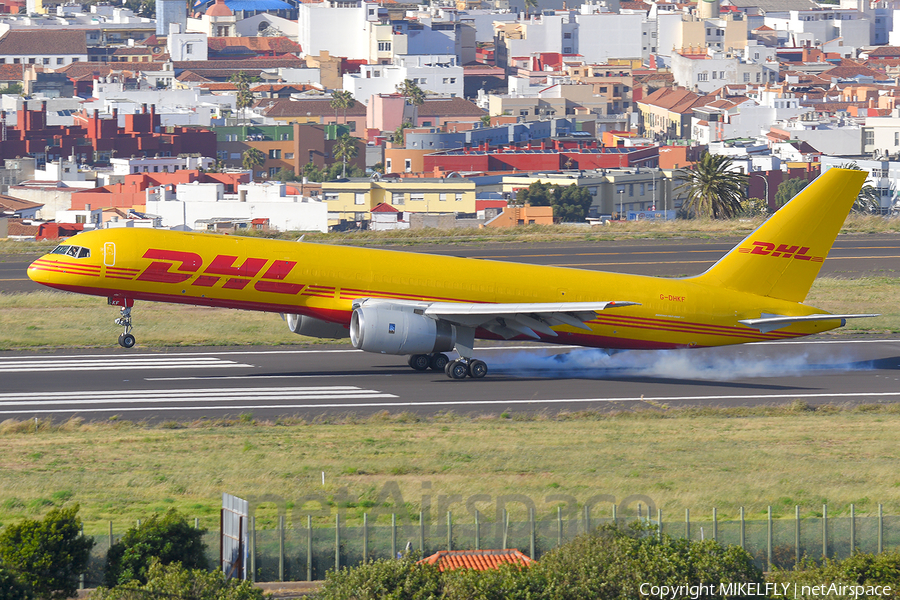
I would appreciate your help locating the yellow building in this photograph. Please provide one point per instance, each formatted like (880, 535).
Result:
(353, 200)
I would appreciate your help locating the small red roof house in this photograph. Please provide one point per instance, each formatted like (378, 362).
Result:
(385, 217)
(479, 560)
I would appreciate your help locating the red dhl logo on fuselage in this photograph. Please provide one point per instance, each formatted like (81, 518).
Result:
(173, 266)
(782, 250)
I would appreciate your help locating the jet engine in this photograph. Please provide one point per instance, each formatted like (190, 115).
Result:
(303, 325)
(396, 329)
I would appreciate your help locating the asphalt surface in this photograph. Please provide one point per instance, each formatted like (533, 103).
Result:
(162, 384)
(270, 382)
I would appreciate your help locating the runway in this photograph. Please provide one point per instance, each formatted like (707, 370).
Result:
(277, 382)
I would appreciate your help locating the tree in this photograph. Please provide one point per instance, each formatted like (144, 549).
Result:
(403, 579)
(787, 189)
(486, 120)
(570, 204)
(11, 588)
(412, 92)
(48, 555)
(342, 99)
(346, 148)
(398, 137)
(868, 200)
(754, 207)
(169, 539)
(176, 581)
(713, 189)
(284, 174)
(252, 159)
(244, 100)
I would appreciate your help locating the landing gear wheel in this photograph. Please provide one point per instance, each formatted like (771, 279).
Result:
(419, 362)
(126, 340)
(457, 369)
(438, 362)
(477, 369)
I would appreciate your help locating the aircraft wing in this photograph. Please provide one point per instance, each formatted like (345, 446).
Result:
(509, 320)
(769, 322)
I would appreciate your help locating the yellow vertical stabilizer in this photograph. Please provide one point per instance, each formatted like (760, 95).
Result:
(782, 257)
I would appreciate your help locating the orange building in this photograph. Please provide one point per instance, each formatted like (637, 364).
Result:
(522, 215)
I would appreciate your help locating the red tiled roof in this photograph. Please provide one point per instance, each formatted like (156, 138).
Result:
(278, 45)
(8, 203)
(191, 76)
(300, 108)
(18, 229)
(238, 65)
(381, 207)
(18, 42)
(885, 52)
(10, 72)
(478, 560)
(449, 107)
(224, 86)
(850, 71)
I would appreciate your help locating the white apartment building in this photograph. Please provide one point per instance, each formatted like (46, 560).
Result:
(709, 71)
(817, 27)
(190, 203)
(340, 27)
(434, 74)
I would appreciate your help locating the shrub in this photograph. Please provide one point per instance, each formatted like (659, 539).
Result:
(402, 579)
(169, 539)
(860, 569)
(47, 556)
(175, 581)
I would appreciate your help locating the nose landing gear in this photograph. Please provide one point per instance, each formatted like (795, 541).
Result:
(126, 340)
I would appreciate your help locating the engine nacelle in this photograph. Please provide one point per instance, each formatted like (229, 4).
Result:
(399, 330)
(303, 325)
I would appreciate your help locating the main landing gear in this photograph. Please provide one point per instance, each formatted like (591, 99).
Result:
(454, 369)
(126, 340)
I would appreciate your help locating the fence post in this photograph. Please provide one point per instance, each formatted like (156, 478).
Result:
(505, 526)
(769, 539)
(393, 535)
(852, 528)
(309, 548)
(797, 535)
(111, 534)
(365, 538)
(715, 524)
(743, 530)
(587, 518)
(422, 532)
(281, 548)
(687, 524)
(253, 549)
(532, 540)
(81, 575)
(824, 531)
(659, 524)
(196, 522)
(337, 542)
(559, 526)
(615, 517)
(880, 529)
(477, 530)
(449, 530)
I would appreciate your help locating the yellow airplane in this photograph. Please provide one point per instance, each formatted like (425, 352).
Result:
(423, 305)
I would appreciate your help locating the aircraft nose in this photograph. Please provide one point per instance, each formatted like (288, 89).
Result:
(39, 270)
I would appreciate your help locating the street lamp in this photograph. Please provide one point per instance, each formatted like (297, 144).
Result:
(765, 181)
(620, 190)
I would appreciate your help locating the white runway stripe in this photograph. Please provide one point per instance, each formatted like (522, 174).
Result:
(114, 363)
(118, 400)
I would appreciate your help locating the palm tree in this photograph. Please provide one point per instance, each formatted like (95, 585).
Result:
(412, 92)
(244, 99)
(713, 189)
(345, 148)
(529, 4)
(868, 200)
(253, 158)
(342, 99)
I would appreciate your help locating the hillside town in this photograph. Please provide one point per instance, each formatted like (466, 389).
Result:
(296, 115)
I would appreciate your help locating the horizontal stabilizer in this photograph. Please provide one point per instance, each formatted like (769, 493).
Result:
(768, 322)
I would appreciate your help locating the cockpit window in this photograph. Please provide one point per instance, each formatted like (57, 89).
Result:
(73, 251)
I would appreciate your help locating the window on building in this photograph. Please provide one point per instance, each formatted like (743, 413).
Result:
(136, 170)
(46, 61)
(359, 198)
(442, 197)
(897, 138)
(275, 153)
(387, 165)
(702, 76)
(397, 198)
(757, 78)
(32, 61)
(868, 137)
(567, 36)
(289, 156)
(631, 189)
(285, 137)
(459, 196)
(747, 77)
(222, 154)
(16, 61)
(417, 197)
(407, 164)
(714, 75)
(188, 48)
(567, 50)
(156, 168)
(384, 46)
